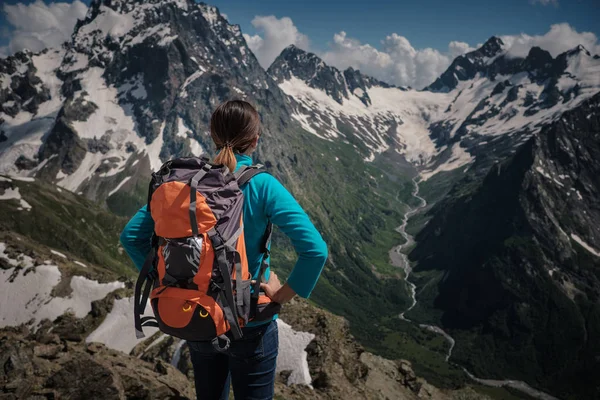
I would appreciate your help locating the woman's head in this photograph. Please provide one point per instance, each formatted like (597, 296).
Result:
(234, 127)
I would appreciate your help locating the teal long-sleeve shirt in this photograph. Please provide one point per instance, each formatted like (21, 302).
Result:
(265, 198)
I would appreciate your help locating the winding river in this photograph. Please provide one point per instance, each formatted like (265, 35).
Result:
(399, 259)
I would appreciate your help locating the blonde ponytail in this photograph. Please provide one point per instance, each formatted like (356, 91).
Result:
(227, 158)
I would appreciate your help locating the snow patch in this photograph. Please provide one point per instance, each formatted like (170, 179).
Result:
(585, 245)
(182, 130)
(292, 353)
(25, 294)
(23, 178)
(189, 80)
(117, 330)
(196, 147)
(56, 253)
(177, 353)
(115, 190)
(153, 150)
(459, 158)
(135, 87)
(14, 194)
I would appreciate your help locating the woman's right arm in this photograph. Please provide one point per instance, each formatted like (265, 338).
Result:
(136, 237)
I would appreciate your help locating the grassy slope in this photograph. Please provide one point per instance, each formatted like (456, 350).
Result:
(66, 222)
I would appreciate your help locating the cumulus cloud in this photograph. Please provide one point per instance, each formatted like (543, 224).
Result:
(275, 34)
(398, 62)
(39, 25)
(560, 38)
(456, 49)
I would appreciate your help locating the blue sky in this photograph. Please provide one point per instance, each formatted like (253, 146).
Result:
(402, 42)
(426, 23)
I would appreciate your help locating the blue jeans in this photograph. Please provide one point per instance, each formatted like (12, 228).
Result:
(249, 364)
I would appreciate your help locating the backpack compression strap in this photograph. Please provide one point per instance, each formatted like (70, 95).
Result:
(225, 292)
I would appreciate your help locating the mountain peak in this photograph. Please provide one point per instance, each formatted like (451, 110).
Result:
(466, 66)
(580, 49)
(294, 62)
(491, 47)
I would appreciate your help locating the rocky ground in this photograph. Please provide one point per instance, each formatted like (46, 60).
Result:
(54, 362)
(46, 365)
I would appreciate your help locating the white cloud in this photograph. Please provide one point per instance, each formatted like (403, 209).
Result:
(40, 25)
(275, 35)
(456, 49)
(398, 62)
(560, 38)
(545, 2)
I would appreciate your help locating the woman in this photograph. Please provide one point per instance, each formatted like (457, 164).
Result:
(250, 362)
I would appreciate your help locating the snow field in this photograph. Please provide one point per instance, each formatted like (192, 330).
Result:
(25, 294)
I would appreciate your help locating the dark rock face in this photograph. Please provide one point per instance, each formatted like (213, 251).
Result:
(465, 67)
(25, 91)
(50, 366)
(518, 261)
(64, 142)
(310, 68)
(489, 61)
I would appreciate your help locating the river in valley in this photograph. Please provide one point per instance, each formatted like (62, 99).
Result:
(399, 259)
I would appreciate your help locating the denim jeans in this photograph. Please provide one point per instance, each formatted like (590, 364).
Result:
(249, 364)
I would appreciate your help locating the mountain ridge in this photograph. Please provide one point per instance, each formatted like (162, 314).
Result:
(309, 67)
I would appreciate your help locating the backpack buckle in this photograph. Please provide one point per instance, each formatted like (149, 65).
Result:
(214, 287)
(219, 247)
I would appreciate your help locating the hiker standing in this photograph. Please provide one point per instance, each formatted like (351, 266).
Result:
(207, 282)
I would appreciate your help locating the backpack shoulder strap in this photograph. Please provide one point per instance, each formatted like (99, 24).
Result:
(243, 176)
(245, 173)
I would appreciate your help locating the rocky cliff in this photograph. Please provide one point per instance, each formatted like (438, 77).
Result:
(510, 263)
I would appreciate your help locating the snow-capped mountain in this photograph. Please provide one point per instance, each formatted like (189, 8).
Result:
(485, 97)
(136, 84)
(349, 106)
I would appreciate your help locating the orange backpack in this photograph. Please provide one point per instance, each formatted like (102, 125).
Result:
(196, 275)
